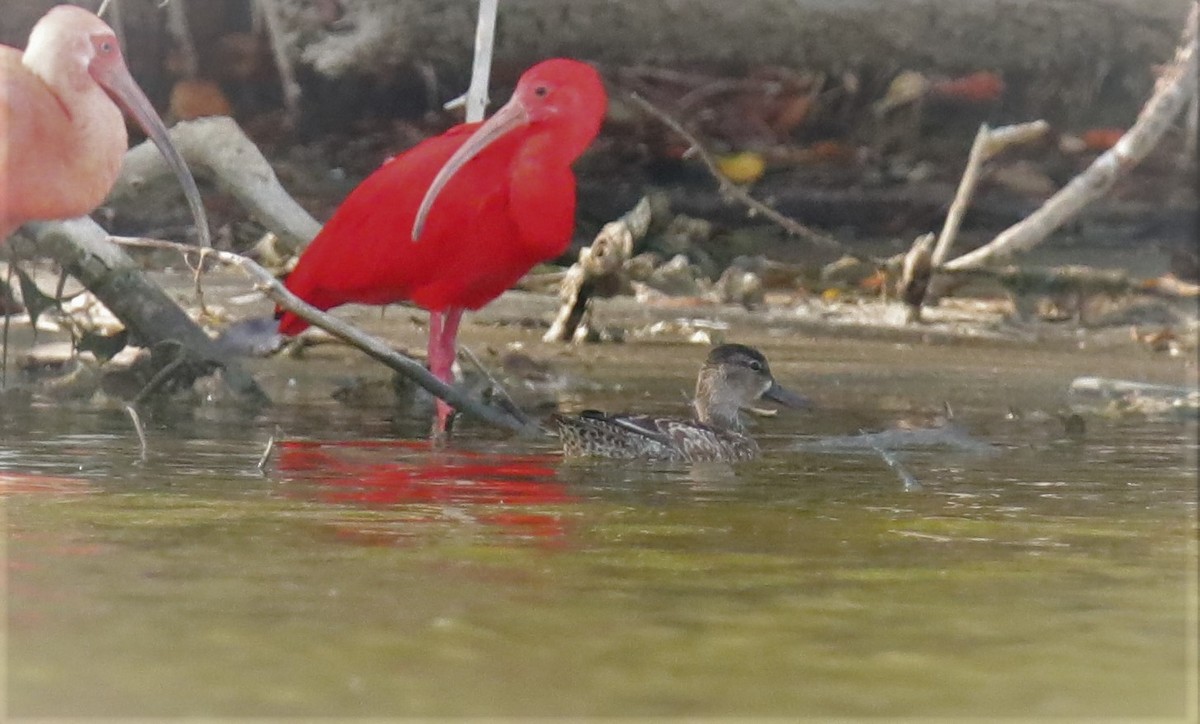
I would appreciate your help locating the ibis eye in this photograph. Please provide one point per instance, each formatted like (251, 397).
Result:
(541, 91)
(106, 46)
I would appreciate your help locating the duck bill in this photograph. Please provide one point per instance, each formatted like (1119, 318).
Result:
(786, 397)
(512, 116)
(125, 91)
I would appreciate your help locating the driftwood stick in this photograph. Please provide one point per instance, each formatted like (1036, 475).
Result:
(987, 144)
(218, 150)
(597, 271)
(266, 283)
(476, 99)
(915, 272)
(732, 190)
(1175, 88)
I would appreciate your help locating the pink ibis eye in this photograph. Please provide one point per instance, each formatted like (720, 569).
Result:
(106, 46)
(541, 91)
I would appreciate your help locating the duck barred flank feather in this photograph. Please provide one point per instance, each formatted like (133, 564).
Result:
(593, 434)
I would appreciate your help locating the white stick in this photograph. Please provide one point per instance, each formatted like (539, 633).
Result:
(283, 63)
(962, 197)
(988, 143)
(141, 432)
(1174, 89)
(481, 69)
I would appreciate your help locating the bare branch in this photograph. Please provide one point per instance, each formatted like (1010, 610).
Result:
(1176, 86)
(987, 144)
(732, 190)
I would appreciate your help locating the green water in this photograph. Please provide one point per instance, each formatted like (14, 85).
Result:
(1055, 576)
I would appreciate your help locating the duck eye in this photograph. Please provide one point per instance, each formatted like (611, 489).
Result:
(541, 91)
(755, 365)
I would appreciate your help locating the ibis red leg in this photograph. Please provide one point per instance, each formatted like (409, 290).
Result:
(443, 335)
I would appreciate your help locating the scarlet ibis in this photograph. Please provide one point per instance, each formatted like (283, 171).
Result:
(456, 220)
(64, 136)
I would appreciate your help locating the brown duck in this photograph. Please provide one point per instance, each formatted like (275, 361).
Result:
(733, 377)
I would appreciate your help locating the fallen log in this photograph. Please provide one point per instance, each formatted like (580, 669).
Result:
(83, 250)
(218, 151)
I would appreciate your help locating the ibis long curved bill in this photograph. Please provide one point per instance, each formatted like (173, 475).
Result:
(510, 117)
(114, 77)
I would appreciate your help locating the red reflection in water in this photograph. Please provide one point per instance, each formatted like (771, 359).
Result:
(14, 482)
(351, 472)
(28, 550)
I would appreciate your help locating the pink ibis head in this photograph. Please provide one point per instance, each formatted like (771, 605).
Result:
(65, 136)
(564, 97)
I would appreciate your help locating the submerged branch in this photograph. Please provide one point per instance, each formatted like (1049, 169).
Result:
(266, 283)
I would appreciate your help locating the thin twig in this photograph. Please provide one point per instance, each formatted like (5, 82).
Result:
(266, 455)
(283, 64)
(162, 375)
(494, 384)
(962, 197)
(141, 432)
(374, 347)
(909, 480)
(197, 273)
(732, 190)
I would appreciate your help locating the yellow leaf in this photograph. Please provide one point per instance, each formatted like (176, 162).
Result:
(742, 168)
